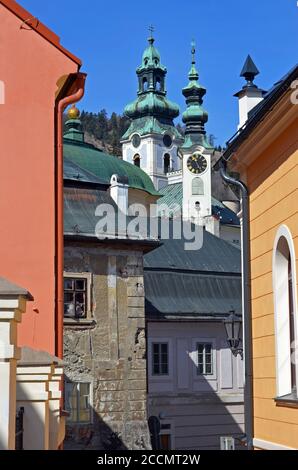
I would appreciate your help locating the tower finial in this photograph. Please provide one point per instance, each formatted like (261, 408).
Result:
(151, 31)
(249, 71)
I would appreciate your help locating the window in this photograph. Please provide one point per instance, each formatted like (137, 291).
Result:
(160, 359)
(205, 363)
(158, 84)
(145, 84)
(137, 160)
(77, 296)
(197, 186)
(285, 312)
(166, 163)
(77, 401)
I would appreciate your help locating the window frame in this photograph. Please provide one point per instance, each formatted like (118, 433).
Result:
(204, 373)
(163, 377)
(194, 356)
(88, 277)
(160, 363)
(201, 192)
(78, 384)
(280, 264)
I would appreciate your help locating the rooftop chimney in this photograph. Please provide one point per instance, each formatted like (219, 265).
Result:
(250, 94)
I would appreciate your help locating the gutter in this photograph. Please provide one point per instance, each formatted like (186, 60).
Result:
(246, 303)
(75, 86)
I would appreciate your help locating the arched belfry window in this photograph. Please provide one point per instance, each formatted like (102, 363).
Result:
(285, 312)
(158, 84)
(145, 84)
(197, 186)
(166, 163)
(137, 160)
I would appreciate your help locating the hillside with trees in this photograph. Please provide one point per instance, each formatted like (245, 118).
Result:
(105, 131)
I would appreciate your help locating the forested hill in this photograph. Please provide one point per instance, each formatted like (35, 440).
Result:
(105, 132)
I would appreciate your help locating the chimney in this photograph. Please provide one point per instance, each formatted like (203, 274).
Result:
(251, 94)
(119, 192)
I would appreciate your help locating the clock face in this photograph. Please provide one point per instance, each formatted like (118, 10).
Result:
(136, 140)
(197, 163)
(167, 140)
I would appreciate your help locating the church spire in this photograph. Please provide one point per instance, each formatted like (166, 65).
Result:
(195, 116)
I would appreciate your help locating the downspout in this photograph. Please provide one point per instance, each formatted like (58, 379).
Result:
(79, 87)
(246, 303)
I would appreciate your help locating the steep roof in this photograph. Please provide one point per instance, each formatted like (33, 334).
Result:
(200, 283)
(103, 166)
(173, 196)
(215, 256)
(171, 295)
(39, 27)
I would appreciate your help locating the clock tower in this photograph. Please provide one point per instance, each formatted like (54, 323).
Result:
(152, 140)
(196, 152)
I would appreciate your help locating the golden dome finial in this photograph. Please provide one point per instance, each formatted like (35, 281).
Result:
(73, 112)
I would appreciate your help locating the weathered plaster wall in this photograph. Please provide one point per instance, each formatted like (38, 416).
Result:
(110, 350)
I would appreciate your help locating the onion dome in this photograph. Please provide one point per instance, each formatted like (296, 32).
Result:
(151, 100)
(195, 116)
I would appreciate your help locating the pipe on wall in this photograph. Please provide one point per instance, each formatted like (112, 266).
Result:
(246, 302)
(76, 92)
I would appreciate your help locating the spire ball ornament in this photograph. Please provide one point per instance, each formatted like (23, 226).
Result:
(73, 112)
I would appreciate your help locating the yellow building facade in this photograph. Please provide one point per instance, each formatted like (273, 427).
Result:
(265, 156)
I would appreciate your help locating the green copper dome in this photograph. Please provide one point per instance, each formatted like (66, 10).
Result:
(100, 164)
(195, 116)
(151, 102)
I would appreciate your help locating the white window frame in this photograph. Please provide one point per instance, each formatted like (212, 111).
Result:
(163, 377)
(204, 359)
(77, 382)
(281, 306)
(194, 354)
(88, 277)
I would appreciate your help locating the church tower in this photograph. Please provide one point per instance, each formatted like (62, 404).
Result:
(152, 139)
(196, 152)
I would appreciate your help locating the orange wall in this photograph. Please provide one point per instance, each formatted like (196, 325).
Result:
(272, 180)
(29, 67)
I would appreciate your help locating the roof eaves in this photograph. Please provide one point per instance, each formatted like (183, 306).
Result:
(39, 27)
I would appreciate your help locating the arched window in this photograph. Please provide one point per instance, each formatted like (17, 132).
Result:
(166, 163)
(197, 186)
(145, 84)
(158, 84)
(285, 311)
(137, 160)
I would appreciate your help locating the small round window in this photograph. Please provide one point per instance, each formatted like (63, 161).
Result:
(167, 140)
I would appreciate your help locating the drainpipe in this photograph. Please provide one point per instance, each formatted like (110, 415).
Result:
(246, 303)
(77, 90)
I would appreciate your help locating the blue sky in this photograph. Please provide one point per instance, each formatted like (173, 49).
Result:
(110, 36)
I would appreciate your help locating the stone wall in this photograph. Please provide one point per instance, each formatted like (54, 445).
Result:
(109, 350)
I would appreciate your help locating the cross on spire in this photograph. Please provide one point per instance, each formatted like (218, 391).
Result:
(193, 51)
(151, 38)
(151, 30)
